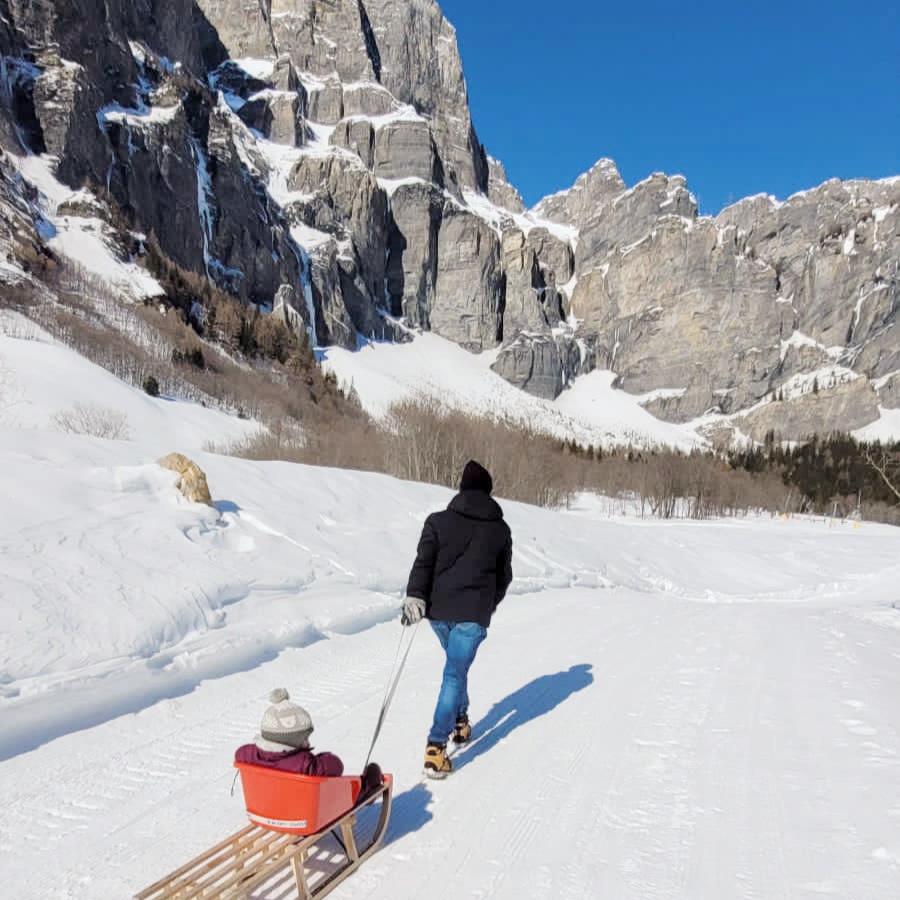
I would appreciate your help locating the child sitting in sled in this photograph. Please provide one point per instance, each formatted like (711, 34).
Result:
(283, 741)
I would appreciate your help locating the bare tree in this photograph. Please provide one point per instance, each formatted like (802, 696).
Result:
(880, 464)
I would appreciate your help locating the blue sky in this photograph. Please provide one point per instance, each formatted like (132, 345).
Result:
(742, 98)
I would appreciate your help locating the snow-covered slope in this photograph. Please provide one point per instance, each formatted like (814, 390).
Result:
(428, 366)
(663, 710)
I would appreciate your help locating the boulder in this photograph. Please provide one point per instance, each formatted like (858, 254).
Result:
(540, 365)
(192, 480)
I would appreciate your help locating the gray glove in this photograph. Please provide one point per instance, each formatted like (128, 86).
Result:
(413, 611)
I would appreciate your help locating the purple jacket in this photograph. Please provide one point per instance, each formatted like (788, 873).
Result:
(300, 762)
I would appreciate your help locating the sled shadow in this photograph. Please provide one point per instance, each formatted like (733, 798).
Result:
(409, 812)
(529, 702)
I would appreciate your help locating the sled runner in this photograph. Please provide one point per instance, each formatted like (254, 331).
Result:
(305, 830)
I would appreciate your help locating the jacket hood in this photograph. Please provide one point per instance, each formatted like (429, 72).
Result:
(476, 505)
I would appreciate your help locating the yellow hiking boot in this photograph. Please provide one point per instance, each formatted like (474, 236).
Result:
(462, 733)
(437, 763)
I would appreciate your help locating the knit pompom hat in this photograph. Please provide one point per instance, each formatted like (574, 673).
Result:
(284, 722)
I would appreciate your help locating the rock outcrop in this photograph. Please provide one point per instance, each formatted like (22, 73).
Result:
(714, 315)
(191, 478)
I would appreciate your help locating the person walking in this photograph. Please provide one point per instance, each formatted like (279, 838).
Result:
(462, 569)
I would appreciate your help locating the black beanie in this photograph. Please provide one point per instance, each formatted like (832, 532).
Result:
(476, 478)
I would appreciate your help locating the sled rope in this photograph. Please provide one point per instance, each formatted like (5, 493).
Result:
(393, 681)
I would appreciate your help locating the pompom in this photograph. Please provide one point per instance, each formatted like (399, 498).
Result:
(278, 695)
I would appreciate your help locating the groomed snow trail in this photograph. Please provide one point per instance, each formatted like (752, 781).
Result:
(626, 746)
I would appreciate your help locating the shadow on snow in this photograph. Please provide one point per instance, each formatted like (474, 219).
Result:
(529, 702)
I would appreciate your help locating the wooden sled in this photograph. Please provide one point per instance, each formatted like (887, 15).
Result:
(307, 831)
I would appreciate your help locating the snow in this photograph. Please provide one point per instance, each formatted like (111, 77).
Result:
(84, 241)
(405, 113)
(498, 217)
(681, 710)
(150, 115)
(771, 199)
(44, 378)
(390, 185)
(879, 383)
(798, 339)
(257, 68)
(87, 241)
(824, 377)
(309, 238)
(428, 366)
(885, 429)
(618, 415)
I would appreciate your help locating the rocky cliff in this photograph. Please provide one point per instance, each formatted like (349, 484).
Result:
(705, 316)
(319, 155)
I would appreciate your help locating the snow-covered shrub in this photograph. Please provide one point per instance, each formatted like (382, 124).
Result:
(96, 421)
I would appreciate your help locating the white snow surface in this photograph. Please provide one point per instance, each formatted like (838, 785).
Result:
(85, 240)
(670, 710)
(428, 366)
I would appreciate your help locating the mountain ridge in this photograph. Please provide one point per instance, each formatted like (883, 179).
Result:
(324, 154)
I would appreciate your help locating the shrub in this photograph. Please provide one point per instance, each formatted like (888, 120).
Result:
(97, 421)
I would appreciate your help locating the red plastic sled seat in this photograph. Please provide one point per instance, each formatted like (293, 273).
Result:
(296, 804)
(282, 806)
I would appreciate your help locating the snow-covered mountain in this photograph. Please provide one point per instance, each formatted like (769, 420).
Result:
(662, 709)
(320, 158)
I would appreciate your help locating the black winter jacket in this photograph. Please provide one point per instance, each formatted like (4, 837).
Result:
(464, 561)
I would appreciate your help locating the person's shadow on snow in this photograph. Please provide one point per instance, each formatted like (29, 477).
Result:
(529, 702)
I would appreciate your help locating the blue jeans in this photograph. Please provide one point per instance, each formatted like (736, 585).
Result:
(460, 641)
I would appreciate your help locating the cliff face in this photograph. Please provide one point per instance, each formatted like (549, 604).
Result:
(718, 314)
(323, 151)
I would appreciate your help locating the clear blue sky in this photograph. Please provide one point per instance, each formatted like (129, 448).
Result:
(741, 98)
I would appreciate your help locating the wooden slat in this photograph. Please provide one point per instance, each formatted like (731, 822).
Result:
(249, 858)
(236, 871)
(230, 852)
(147, 892)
